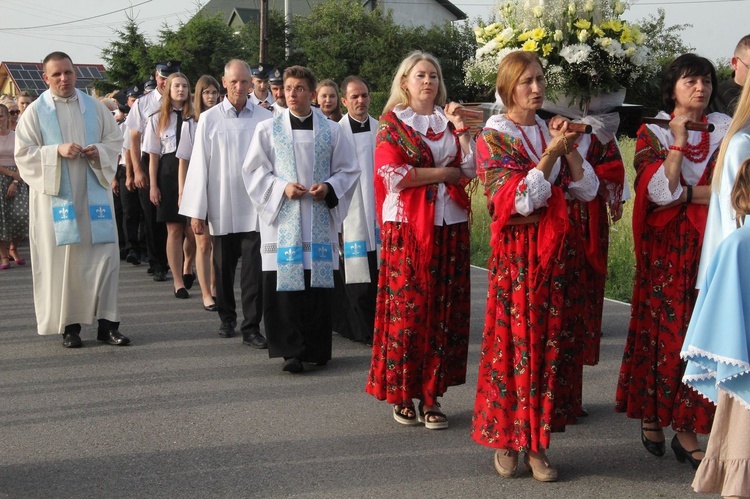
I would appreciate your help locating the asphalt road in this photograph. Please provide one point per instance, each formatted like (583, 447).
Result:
(184, 413)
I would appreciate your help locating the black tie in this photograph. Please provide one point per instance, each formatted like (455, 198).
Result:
(178, 127)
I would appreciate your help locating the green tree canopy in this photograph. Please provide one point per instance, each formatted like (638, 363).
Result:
(127, 60)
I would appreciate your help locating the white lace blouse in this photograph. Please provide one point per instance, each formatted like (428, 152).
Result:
(658, 186)
(533, 192)
(444, 150)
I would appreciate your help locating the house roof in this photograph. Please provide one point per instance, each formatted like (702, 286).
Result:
(28, 75)
(460, 14)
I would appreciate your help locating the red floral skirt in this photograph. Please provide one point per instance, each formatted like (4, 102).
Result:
(421, 338)
(515, 400)
(649, 385)
(582, 312)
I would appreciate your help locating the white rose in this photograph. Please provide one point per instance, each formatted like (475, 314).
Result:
(588, 6)
(538, 11)
(583, 35)
(558, 36)
(619, 8)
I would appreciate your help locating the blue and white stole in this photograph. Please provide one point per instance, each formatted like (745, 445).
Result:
(289, 250)
(63, 211)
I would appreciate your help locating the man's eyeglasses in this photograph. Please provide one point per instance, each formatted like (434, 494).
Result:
(743, 62)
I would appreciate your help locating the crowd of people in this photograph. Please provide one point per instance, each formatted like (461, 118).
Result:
(324, 208)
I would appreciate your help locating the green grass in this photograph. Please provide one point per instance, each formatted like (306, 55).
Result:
(621, 264)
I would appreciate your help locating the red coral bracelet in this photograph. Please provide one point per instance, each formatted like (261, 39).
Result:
(459, 131)
(677, 148)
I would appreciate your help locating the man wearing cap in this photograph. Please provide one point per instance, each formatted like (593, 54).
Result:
(260, 95)
(214, 186)
(360, 232)
(156, 232)
(276, 83)
(299, 173)
(66, 151)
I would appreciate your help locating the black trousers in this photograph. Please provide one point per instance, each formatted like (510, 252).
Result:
(228, 249)
(132, 214)
(156, 232)
(298, 323)
(361, 298)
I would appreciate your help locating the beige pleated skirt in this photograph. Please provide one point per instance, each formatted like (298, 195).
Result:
(726, 468)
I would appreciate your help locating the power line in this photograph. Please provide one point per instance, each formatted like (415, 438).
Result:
(76, 20)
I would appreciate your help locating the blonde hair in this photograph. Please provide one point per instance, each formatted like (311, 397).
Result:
(399, 95)
(165, 112)
(109, 103)
(739, 121)
(740, 195)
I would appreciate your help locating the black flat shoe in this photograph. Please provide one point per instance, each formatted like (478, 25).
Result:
(181, 294)
(655, 448)
(681, 454)
(188, 279)
(72, 340)
(255, 340)
(210, 308)
(293, 365)
(112, 337)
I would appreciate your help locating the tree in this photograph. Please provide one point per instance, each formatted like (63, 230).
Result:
(665, 44)
(203, 45)
(127, 60)
(338, 37)
(249, 40)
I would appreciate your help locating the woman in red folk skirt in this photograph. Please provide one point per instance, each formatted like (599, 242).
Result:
(673, 177)
(526, 169)
(423, 159)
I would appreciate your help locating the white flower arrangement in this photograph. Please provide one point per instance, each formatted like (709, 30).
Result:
(584, 46)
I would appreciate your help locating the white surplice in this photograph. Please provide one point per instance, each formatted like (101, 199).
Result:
(266, 188)
(214, 182)
(75, 283)
(363, 146)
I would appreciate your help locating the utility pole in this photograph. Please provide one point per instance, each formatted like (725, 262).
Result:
(263, 56)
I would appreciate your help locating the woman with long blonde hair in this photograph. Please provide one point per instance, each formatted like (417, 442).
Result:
(160, 141)
(735, 148)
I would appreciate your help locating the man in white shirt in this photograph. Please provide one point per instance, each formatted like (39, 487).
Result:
(361, 235)
(214, 191)
(299, 172)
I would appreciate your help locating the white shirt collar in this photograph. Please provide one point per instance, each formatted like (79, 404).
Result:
(421, 123)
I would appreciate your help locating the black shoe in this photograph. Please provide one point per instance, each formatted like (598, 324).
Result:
(293, 365)
(113, 337)
(181, 293)
(150, 271)
(72, 340)
(188, 279)
(681, 454)
(133, 258)
(655, 448)
(226, 330)
(210, 308)
(160, 276)
(255, 340)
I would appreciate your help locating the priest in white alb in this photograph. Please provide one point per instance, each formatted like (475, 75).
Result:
(299, 173)
(67, 145)
(361, 235)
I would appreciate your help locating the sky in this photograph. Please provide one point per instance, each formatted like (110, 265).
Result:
(84, 27)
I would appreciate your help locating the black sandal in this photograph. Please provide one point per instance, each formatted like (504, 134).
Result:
(404, 414)
(433, 420)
